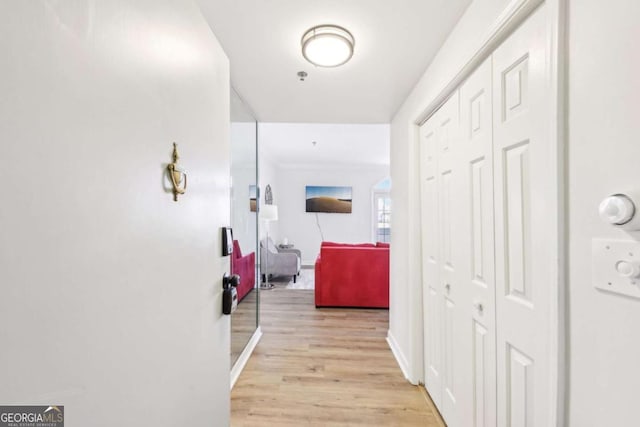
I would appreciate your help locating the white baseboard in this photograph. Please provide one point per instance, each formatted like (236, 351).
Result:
(244, 356)
(397, 353)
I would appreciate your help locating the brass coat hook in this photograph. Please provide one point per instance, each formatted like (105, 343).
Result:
(178, 175)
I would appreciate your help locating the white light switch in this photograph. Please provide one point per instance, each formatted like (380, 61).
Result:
(616, 266)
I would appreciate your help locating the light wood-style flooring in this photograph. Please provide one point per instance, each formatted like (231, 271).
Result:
(324, 367)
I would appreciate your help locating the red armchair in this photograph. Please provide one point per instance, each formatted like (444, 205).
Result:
(352, 275)
(245, 266)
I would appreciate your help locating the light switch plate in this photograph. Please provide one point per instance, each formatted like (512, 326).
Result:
(605, 255)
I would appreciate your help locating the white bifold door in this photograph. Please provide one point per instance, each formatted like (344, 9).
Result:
(442, 181)
(477, 243)
(489, 227)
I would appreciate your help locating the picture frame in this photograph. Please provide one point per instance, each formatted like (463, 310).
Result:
(328, 199)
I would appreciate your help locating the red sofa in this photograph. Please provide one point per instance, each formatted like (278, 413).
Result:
(350, 275)
(245, 266)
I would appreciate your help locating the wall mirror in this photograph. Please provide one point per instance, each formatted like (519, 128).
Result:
(244, 215)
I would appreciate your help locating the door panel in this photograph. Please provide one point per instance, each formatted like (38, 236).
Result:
(435, 345)
(449, 349)
(525, 224)
(440, 182)
(448, 166)
(430, 262)
(445, 218)
(483, 382)
(520, 397)
(476, 122)
(478, 227)
(517, 226)
(488, 268)
(515, 88)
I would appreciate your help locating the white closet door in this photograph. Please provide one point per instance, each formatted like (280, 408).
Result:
(443, 324)
(525, 220)
(430, 263)
(451, 288)
(476, 125)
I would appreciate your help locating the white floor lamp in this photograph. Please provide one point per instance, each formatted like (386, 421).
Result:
(268, 213)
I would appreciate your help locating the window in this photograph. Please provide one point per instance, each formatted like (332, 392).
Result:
(382, 211)
(382, 215)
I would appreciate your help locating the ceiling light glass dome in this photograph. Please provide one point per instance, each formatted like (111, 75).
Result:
(327, 45)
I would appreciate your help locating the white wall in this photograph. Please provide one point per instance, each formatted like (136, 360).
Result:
(267, 175)
(111, 291)
(405, 321)
(604, 350)
(301, 228)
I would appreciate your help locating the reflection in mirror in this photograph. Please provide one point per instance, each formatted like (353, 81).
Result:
(244, 172)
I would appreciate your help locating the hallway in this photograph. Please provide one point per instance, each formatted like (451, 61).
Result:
(324, 367)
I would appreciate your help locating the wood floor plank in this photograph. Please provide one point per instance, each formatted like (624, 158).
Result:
(324, 367)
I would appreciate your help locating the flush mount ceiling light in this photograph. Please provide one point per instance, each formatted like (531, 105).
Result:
(327, 45)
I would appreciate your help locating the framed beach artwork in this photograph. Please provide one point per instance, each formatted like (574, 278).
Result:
(328, 199)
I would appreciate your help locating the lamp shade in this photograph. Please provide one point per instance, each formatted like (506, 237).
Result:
(269, 212)
(327, 45)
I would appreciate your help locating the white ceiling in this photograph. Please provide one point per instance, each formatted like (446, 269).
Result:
(291, 144)
(395, 42)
